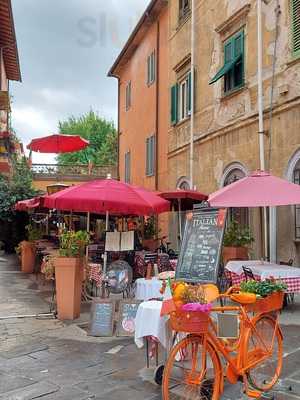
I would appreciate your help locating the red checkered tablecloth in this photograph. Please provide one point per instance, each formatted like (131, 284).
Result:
(293, 284)
(95, 274)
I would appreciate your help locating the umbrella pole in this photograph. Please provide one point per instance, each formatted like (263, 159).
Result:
(180, 221)
(105, 253)
(88, 230)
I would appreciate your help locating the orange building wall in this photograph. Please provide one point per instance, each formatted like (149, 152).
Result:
(139, 122)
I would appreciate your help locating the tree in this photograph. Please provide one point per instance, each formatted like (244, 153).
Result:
(101, 134)
(18, 187)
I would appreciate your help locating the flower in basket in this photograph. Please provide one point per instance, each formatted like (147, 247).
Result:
(168, 305)
(206, 308)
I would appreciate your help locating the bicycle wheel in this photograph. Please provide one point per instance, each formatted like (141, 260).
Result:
(265, 340)
(193, 371)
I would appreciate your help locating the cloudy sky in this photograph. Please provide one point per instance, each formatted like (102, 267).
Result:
(66, 49)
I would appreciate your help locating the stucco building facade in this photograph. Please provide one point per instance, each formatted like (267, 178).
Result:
(226, 140)
(9, 71)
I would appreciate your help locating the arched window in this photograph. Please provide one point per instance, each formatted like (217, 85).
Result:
(296, 179)
(183, 183)
(293, 175)
(233, 173)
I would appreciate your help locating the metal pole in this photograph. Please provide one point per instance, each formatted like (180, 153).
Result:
(88, 220)
(105, 253)
(260, 111)
(180, 228)
(192, 95)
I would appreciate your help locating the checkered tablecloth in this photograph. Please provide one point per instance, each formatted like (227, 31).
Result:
(95, 274)
(293, 284)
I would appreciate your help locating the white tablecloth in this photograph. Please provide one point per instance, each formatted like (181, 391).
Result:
(148, 289)
(264, 269)
(148, 322)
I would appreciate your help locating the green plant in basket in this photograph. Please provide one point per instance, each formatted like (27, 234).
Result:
(263, 288)
(72, 244)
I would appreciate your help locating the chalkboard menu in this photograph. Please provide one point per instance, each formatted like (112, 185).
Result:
(102, 318)
(201, 246)
(126, 320)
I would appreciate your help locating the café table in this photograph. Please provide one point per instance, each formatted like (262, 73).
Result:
(263, 270)
(147, 289)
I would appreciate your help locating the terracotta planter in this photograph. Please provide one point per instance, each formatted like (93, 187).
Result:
(151, 244)
(234, 253)
(28, 253)
(68, 278)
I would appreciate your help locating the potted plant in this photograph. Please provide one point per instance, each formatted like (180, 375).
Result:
(2, 251)
(68, 273)
(149, 241)
(236, 242)
(28, 249)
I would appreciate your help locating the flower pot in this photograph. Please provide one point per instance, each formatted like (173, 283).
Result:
(28, 253)
(234, 253)
(68, 279)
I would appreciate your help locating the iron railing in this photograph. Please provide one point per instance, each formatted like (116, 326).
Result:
(74, 171)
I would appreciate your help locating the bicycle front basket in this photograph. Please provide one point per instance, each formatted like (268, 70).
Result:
(189, 321)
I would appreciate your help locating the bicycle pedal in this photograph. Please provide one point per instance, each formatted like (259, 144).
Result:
(254, 394)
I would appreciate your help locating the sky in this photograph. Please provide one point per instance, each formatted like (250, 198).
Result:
(66, 49)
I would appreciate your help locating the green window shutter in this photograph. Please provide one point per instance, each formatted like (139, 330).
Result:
(174, 104)
(189, 99)
(228, 53)
(295, 14)
(238, 44)
(153, 154)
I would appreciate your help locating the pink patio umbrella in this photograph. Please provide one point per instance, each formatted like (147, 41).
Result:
(260, 189)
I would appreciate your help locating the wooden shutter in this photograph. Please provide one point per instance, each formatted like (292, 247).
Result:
(127, 167)
(174, 104)
(189, 94)
(295, 11)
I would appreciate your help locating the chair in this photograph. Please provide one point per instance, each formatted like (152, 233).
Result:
(289, 263)
(249, 276)
(289, 298)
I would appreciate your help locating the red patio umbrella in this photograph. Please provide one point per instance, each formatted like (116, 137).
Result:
(108, 195)
(58, 143)
(182, 200)
(260, 189)
(29, 204)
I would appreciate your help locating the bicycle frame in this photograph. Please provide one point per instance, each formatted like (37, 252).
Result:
(237, 364)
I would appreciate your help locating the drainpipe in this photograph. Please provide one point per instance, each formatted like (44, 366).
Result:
(157, 107)
(260, 111)
(192, 95)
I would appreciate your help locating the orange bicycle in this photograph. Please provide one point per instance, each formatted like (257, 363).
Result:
(194, 369)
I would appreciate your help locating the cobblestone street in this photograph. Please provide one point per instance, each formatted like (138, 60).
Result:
(51, 360)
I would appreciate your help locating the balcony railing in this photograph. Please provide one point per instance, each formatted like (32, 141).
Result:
(74, 172)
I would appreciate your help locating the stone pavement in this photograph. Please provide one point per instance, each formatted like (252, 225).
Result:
(50, 360)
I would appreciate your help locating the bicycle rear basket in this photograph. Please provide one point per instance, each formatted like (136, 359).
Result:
(274, 302)
(189, 321)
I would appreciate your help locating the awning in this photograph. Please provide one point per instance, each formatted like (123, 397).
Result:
(226, 68)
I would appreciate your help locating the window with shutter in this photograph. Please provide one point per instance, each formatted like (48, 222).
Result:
(233, 68)
(174, 104)
(151, 68)
(127, 167)
(295, 14)
(128, 96)
(150, 156)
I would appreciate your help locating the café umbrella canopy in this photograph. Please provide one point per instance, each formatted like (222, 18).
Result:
(29, 204)
(260, 189)
(108, 196)
(182, 200)
(58, 143)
